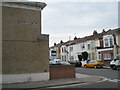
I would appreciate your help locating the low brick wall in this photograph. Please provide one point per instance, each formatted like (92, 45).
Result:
(62, 71)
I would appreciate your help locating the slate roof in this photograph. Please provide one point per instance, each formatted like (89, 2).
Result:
(86, 38)
(91, 37)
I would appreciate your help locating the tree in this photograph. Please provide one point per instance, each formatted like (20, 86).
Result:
(84, 55)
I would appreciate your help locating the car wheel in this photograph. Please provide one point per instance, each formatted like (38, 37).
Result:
(95, 66)
(114, 67)
(85, 66)
(118, 68)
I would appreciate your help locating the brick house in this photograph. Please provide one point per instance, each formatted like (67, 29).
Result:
(109, 46)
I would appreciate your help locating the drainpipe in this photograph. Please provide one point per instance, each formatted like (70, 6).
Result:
(115, 49)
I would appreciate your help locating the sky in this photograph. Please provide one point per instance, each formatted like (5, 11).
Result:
(65, 19)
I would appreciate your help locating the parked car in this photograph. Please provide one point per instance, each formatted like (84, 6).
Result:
(94, 63)
(115, 64)
(58, 62)
(77, 63)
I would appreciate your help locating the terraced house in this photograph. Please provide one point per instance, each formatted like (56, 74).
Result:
(109, 46)
(77, 46)
(102, 46)
(25, 51)
(55, 51)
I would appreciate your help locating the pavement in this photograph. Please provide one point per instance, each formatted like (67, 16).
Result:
(80, 79)
(107, 67)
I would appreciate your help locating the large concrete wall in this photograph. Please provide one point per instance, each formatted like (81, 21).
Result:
(22, 52)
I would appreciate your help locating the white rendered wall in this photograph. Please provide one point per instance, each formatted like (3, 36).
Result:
(18, 78)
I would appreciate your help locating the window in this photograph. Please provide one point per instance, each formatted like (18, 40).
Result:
(93, 56)
(83, 46)
(89, 56)
(71, 48)
(65, 57)
(62, 57)
(88, 46)
(111, 42)
(106, 42)
(107, 56)
(71, 57)
(99, 56)
(62, 49)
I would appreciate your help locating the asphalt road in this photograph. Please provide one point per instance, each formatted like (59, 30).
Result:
(112, 79)
(105, 72)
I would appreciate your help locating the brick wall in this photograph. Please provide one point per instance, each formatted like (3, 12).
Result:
(24, 57)
(22, 52)
(62, 71)
(12, 30)
(107, 51)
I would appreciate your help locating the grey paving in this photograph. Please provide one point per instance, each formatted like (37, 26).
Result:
(80, 78)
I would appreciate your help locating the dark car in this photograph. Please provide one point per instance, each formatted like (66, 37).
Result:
(76, 63)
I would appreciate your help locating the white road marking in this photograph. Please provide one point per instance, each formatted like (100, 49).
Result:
(71, 85)
(113, 80)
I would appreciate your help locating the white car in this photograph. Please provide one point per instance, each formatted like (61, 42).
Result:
(58, 62)
(115, 64)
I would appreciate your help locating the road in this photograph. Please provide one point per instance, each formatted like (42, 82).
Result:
(112, 78)
(105, 72)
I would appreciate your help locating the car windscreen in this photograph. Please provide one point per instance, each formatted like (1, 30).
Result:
(100, 61)
(118, 57)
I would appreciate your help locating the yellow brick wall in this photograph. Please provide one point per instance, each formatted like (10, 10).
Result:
(22, 52)
(14, 31)
(25, 57)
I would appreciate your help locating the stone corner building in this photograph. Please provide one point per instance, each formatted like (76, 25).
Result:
(25, 49)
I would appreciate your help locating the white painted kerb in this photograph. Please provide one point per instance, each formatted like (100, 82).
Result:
(17, 78)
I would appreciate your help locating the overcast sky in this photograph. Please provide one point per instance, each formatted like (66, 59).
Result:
(66, 19)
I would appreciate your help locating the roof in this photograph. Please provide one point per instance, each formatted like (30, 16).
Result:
(93, 37)
(57, 45)
(32, 4)
(86, 38)
(114, 31)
